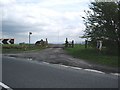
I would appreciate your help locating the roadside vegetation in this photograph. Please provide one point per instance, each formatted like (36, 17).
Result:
(102, 24)
(102, 31)
(17, 48)
(92, 55)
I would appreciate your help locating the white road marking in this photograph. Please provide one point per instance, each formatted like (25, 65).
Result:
(94, 71)
(5, 86)
(45, 63)
(76, 68)
(63, 65)
(117, 74)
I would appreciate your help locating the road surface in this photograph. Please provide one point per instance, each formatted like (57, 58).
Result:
(22, 73)
(55, 54)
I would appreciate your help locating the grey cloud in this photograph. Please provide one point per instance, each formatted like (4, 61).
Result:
(14, 27)
(54, 27)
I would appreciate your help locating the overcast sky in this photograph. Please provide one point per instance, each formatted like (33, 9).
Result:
(52, 19)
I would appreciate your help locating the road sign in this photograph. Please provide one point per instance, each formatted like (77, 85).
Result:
(30, 32)
(11, 41)
(7, 41)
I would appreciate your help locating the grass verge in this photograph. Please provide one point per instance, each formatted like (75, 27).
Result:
(92, 55)
(16, 48)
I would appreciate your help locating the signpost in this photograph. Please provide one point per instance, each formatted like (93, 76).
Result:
(99, 45)
(29, 38)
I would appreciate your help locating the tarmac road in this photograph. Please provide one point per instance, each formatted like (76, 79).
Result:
(23, 73)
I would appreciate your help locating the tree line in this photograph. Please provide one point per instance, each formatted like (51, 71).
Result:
(102, 22)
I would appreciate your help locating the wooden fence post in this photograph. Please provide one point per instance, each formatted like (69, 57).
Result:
(72, 43)
(66, 43)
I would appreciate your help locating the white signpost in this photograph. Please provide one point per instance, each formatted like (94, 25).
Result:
(99, 45)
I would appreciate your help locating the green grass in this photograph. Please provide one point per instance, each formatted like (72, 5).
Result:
(92, 55)
(16, 48)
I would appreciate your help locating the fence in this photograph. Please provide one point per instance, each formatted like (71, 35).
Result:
(69, 44)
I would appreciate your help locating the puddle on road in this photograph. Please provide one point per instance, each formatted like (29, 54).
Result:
(29, 59)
